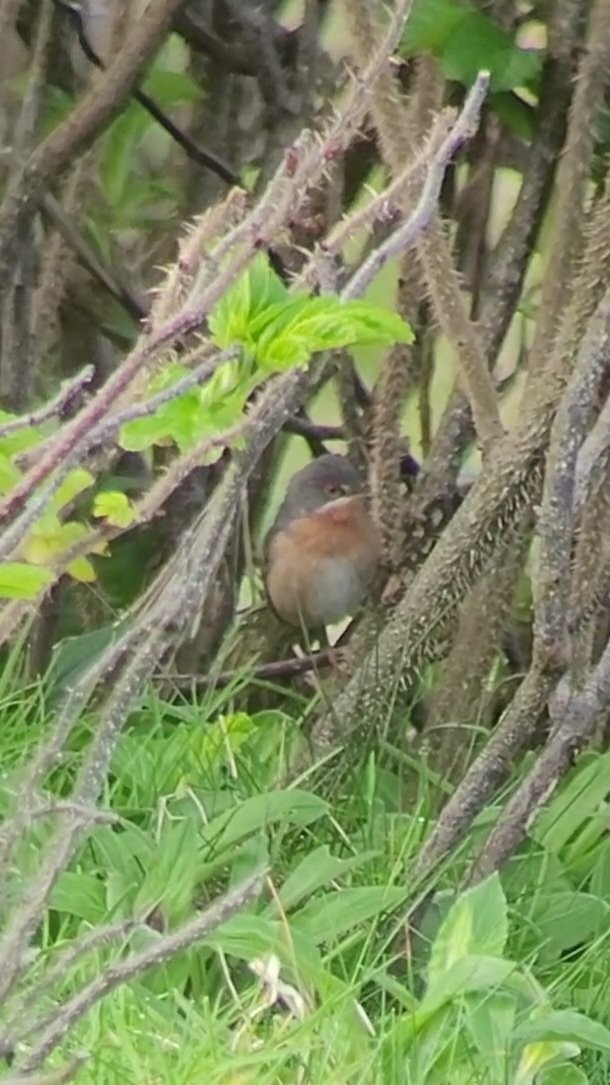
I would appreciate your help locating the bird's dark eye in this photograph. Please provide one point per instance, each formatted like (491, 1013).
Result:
(335, 490)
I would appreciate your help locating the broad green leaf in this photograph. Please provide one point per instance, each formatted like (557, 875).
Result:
(292, 807)
(82, 570)
(565, 1026)
(468, 974)
(564, 920)
(331, 916)
(431, 23)
(251, 936)
(600, 879)
(115, 507)
(9, 474)
(479, 43)
(80, 894)
(172, 88)
(73, 485)
(490, 1020)
(477, 924)
(172, 873)
(564, 1073)
(328, 324)
(538, 1055)
(254, 292)
(316, 870)
(21, 581)
(467, 41)
(19, 441)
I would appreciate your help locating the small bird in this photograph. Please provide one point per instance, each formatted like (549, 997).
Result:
(322, 552)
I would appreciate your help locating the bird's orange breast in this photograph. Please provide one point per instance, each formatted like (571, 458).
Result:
(321, 565)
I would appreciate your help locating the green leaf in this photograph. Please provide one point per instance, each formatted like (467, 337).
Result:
(326, 323)
(315, 870)
(254, 292)
(564, 1073)
(172, 874)
(115, 507)
(466, 42)
(73, 485)
(80, 894)
(577, 801)
(476, 924)
(119, 148)
(328, 918)
(600, 878)
(566, 1026)
(21, 581)
(293, 807)
(564, 920)
(250, 936)
(467, 975)
(431, 23)
(479, 43)
(82, 570)
(490, 1022)
(9, 474)
(172, 88)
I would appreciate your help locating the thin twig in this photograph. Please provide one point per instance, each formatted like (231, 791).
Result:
(68, 391)
(134, 965)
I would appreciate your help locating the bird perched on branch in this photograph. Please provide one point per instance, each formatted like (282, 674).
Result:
(322, 552)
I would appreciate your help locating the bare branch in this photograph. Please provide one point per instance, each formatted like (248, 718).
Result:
(137, 963)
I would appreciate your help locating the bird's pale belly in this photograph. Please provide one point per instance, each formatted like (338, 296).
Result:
(336, 591)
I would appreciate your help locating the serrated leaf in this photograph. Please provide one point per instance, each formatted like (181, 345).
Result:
(115, 507)
(327, 324)
(21, 581)
(255, 291)
(476, 924)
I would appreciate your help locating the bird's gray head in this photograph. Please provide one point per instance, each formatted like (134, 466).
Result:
(325, 479)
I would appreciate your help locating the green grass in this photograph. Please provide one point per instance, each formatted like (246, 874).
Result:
(195, 790)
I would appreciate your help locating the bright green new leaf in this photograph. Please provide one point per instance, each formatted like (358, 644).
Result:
(249, 297)
(82, 570)
(476, 924)
(115, 507)
(21, 581)
(9, 474)
(73, 485)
